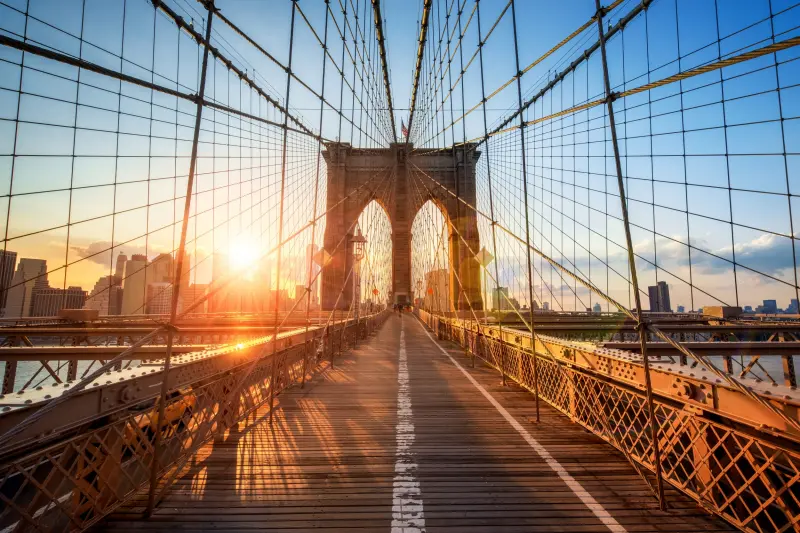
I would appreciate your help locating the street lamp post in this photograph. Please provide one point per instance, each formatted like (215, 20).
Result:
(485, 258)
(359, 243)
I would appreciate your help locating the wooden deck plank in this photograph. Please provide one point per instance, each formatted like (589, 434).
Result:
(328, 461)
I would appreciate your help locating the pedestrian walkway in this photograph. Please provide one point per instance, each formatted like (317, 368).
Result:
(402, 435)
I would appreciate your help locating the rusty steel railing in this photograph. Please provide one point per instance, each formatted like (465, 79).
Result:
(71, 479)
(732, 457)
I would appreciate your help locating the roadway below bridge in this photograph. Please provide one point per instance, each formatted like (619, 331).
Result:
(403, 435)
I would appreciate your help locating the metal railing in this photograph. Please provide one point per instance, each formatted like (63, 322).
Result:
(73, 478)
(734, 459)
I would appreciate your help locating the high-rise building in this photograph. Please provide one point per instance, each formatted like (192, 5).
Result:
(186, 271)
(597, 308)
(48, 301)
(31, 274)
(219, 302)
(106, 296)
(659, 298)
(300, 297)
(501, 300)
(681, 309)
(793, 308)
(192, 294)
(770, 307)
(119, 269)
(8, 260)
(135, 285)
(159, 298)
(161, 270)
(545, 306)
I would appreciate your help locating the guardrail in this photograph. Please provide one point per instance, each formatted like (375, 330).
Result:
(80, 462)
(735, 456)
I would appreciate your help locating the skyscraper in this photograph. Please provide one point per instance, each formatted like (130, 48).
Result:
(106, 296)
(8, 260)
(219, 270)
(501, 300)
(191, 295)
(31, 274)
(159, 298)
(135, 285)
(119, 269)
(161, 270)
(659, 298)
(49, 301)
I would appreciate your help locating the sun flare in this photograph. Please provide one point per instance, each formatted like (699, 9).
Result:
(243, 254)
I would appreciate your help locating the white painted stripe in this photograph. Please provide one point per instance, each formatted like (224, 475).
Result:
(407, 511)
(587, 499)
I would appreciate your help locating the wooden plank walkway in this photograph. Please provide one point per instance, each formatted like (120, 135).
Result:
(350, 452)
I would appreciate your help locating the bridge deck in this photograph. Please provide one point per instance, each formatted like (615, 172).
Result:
(341, 456)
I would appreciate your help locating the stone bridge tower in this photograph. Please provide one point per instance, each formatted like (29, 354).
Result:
(390, 177)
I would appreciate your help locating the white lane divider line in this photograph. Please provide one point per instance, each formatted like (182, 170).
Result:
(407, 512)
(587, 499)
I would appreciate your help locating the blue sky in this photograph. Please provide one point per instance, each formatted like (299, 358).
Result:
(669, 173)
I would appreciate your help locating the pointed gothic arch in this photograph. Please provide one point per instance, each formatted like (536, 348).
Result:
(402, 180)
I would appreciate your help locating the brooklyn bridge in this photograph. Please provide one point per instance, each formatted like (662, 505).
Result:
(364, 265)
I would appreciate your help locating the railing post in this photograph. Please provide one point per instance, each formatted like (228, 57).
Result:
(179, 267)
(641, 325)
(503, 360)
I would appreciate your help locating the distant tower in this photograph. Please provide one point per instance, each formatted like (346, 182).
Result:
(119, 270)
(659, 298)
(135, 287)
(8, 260)
(162, 269)
(31, 274)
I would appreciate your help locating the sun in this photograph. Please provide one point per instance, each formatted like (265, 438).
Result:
(243, 254)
